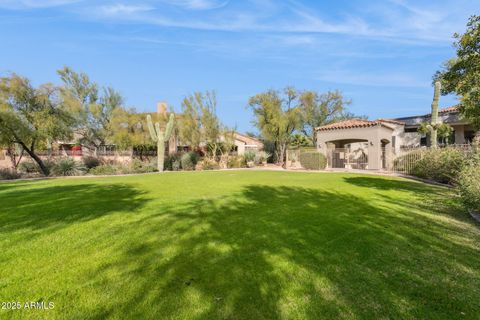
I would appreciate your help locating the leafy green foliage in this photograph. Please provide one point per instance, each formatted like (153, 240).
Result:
(172, 162)
(441, 165)
(300, 140)
(249, 155)
(461, 74)
(91, 162)
(236, 162)
(321, 109)
(313, 160)
(31, 117)
(468, 183)
(209, 164)
(189, 161)
(261, 157)
(28, 167)
(277, 116)
(92, 108)
(104, 169)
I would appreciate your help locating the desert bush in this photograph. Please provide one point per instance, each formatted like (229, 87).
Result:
(32, 167)
(442, 165)
(138, 166)
(469, 186)
(91, 162)
(172, 162)
(249, 156)
(313, 160)
(28, 167)
(208, 164)
(236, 162)
(189, 161)
(105, 169)
(9, 174)
(261, 157)
(67, 167)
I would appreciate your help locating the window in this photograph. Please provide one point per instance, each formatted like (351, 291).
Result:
(394, 141)
(423, 141)
(411, 130)
(469, 136)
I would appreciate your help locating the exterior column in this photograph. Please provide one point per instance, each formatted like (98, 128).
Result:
(459, 134)
(374, 155)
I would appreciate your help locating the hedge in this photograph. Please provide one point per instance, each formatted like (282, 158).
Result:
(313, 160)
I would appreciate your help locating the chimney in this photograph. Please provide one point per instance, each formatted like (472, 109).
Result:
(162, 109)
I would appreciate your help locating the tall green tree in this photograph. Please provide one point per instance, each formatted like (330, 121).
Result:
(32, 117)
(321, 109)
(92, 107)
(461, 75)
(189, 125)
(277, 116)
(199, 124)
(129, 129)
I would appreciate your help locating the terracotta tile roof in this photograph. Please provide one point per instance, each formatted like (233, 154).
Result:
(449, 109)
(391, 121)
(353, 123)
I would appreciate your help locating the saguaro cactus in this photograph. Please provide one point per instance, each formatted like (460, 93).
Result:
(434, 122)
(160, 135)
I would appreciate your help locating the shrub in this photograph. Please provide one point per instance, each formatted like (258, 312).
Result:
(249, 156)
(28, 167)
(138, 166)
(91, 162)
(236, 162)
(105, 169)
(189, 161)
(67, 167)
(210, 165)
(261, 157)
(9, 174)
(313, 160)
(172, 162)
(442, 165)
(469, 186)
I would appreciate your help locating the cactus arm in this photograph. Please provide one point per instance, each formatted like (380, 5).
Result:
(160, 153)
(168, 131)
(158, 130)
(153, 133)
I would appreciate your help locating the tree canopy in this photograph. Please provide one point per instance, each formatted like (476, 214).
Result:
(461, 74)
(32, 117)
(277, 116)
(92, 108)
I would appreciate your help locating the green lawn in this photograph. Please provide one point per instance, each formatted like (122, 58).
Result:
(238, 245)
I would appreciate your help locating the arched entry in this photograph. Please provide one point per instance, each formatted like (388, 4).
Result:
(347, 153)
(385, 153)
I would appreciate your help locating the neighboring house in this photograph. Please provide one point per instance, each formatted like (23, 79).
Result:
(364, 144)
(242, 143)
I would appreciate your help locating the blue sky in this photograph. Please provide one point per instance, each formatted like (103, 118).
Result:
(381, 53)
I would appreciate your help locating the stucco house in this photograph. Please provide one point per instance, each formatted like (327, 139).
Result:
(365, 144)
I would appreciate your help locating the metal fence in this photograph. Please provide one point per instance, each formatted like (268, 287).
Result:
(406, 159)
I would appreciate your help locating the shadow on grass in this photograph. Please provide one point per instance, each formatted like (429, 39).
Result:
(391, 184)
(282, 252)
(55, 206)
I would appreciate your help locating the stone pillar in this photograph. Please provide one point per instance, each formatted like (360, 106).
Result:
(374, 155)
(459, 134)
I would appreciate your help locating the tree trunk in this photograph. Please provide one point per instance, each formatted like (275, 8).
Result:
(37, 159)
